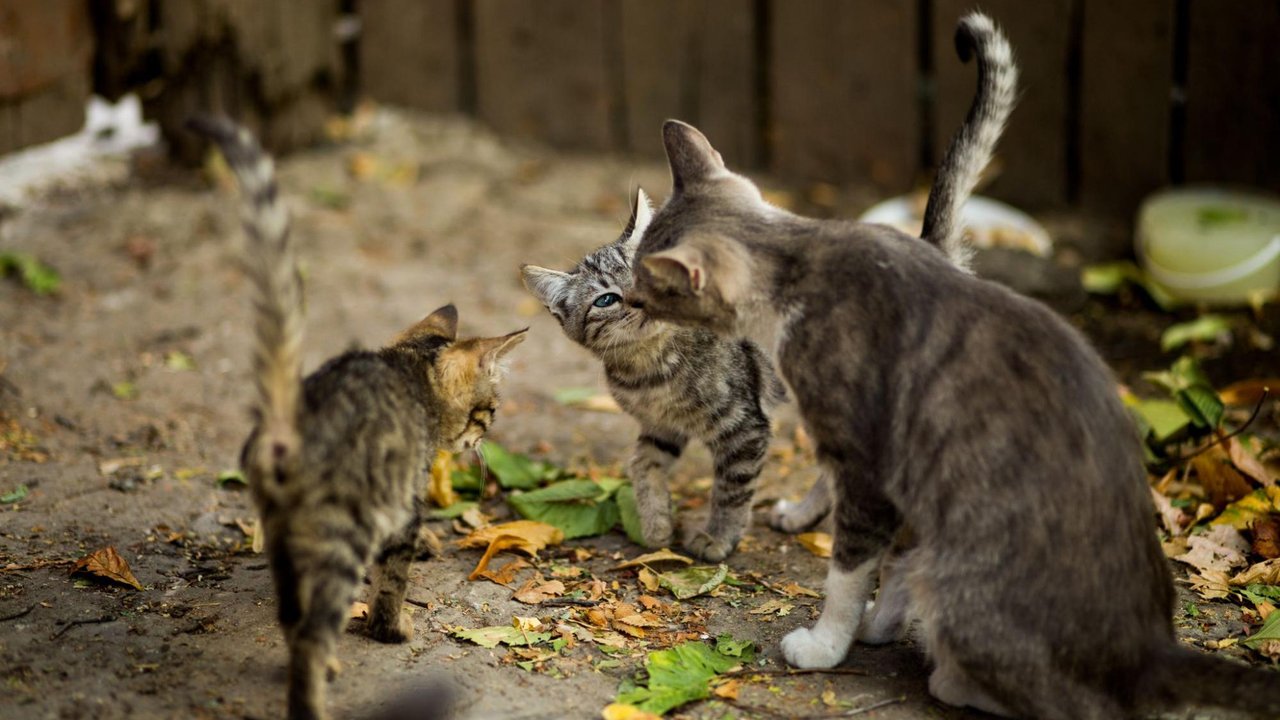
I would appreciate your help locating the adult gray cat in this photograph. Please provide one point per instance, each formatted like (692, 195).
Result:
(974, 424)
(683, 383)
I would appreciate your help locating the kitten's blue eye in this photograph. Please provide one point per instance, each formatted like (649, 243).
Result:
(606, 300)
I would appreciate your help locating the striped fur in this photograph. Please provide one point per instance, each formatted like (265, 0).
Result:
(680, 384)
(969, 424)
(971, 148)
(337, 462)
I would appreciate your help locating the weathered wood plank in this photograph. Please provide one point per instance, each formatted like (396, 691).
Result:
(42, 43)
(541, 71)
(1233, 93)
(843, 91)
(45, 115)
(694, 60)
(410, 54)
(1034, 148)
(1126, 81)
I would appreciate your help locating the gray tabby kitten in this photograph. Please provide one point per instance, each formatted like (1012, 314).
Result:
(975, 418)
(686, 382)
(337, 462)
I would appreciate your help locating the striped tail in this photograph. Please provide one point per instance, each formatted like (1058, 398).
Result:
(271, 268)
(973, 144)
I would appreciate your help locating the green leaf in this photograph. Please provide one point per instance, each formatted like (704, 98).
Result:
(1108, 278)
(693, 581)
(1259, 593)
(330, 198)
(1206, 328)
(467, 479)
(492, 636)
(626, 498)
(574, 395)
(35, 275)
(744, 650)
(16, 495)
(453, 511)
(178, 360)
(1164, 418)
(678, 675)
(1202, 404)
(1270, 630)
(230, 477)
(580, 508)
(124, 390)
(516, 471)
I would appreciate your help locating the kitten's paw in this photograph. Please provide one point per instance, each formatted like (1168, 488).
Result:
(332, 668)
(805, 649)
(657, 531)
(792, 517)
(708, 547)
(389, 632)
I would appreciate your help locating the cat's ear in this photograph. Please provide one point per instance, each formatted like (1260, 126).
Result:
(702, 262)
(546, 285)
(641, 214)
(681, 269)
(689, 154)
(492, 350)
(441, 323)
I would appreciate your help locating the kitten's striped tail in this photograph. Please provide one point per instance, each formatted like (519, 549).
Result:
(974, 143)
(270, 266)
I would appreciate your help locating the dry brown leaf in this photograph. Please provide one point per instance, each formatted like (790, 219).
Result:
(1212, 585)
(527, 536)
(648, 580)
(1221, 549)
(728, 690)
(598, 617)
(1175, 521)
(1269, 648)
(440, 489)
(506, 574)
(359, 611)
(653, 558)
(1219, 478)
(818, 543)
(1266, 537)
(107, 563)
(773, 607)
(1249, 392)
(1266, 572)
(534, 592)
(1246, 461)
(793, 589)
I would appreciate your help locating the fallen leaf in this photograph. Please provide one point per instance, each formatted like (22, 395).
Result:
(587, 399)
(527, 536)
(818, 543)
(506, 574)
(509, 635)
(679, 675)
(618, 711)
(440, 487)
(653, 558)
(1221, 549)
(1246, 461)
(526, 624)
(693, 581)
(516, 471)
(578, 507)
(110, 466)
(648, 580)
(1268, 633)
(793, 589)
(106, 563)
(1175, 521)
(179, 361)
(1266, 572)
(1221, 481)
(359, 611)
(1211, 585)
(231, 477)
(728, 690)
(829, 698)
(533, 592)
(1266, 537)
(1243, 512)
(1206, 328)
(1250, 392)
(773, 607)
(17, 494)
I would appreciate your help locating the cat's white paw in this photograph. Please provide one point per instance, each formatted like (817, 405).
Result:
(792, 517)
(805, 649)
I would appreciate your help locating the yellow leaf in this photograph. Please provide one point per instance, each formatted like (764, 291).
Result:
(728, 690)
(663, 555)
(359, 611)
(107, 563)
(818, 543)
(527, 536)
(534, 592)
(1250, 392)
(1247, 462)
(1211, 585)
(793, 589)
(440, 489)
(618, 711)
(526, 624)
(1241, 513)
(648, 580)
(1266, 572)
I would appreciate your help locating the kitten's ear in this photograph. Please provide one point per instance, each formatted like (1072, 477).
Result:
(546, 285)
(681, 269)
(689, 154)
(441, 323)
(492, 350)
(641, 214)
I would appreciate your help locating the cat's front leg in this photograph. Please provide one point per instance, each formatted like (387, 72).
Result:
(655, 452)
(739, 456)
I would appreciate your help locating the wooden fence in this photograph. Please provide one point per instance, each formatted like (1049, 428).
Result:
(1119, 96)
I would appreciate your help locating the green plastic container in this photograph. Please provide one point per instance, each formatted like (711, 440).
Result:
(1211, 246)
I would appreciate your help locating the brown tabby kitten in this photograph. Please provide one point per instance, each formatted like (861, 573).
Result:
(337, 462)
(974, 417)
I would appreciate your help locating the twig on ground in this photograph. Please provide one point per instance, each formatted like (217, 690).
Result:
(73, 623)
(796, 671)
(1220, 439)
(573, 602)
(873, 706)
(418, 603)
(37, 565)
(765, 710)
(20, 613)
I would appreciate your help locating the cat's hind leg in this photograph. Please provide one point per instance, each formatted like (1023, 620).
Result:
(739, 448)
(885, 620)
(655, 452)
(387, 620)
(312, 639)
(793, 517)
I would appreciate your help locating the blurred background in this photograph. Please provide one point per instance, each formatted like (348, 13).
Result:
(1120, 97)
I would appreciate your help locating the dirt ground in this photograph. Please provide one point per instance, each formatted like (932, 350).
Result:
(414, 213)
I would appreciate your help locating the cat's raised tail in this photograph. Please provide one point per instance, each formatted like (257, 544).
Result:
(270, 267)
(974, 143)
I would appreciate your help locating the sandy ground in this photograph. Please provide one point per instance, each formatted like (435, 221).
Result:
(442, 212)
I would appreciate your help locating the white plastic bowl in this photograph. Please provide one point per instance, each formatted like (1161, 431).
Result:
(989, 222)
(1211, 246)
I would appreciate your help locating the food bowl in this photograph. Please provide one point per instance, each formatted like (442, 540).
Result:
(987, 223)
(1211, 246)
